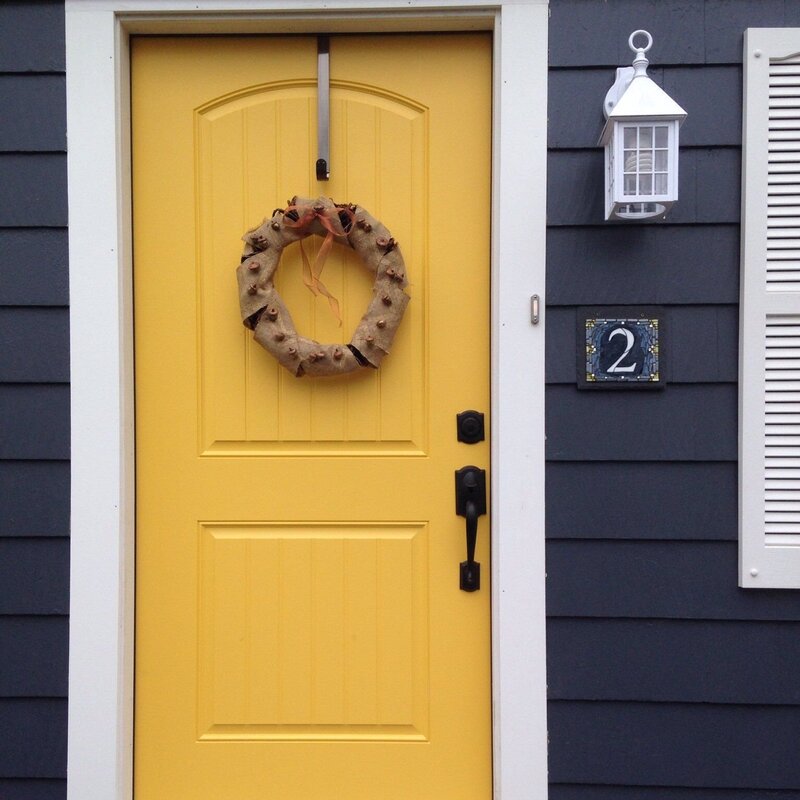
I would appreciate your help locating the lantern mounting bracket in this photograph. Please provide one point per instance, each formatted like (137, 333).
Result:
(626, 74)
(623, 81)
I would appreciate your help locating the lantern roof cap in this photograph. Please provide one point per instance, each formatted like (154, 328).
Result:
(644, 98)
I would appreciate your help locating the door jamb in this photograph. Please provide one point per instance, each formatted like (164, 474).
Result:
(101, 325)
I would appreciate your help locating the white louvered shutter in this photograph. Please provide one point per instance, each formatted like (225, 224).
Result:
(769, 376)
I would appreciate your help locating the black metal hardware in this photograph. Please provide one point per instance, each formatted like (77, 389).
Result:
(470, 427)
(470, 504)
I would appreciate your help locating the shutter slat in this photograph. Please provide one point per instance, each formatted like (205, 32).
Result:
(782, 188)
(777, 169)
(774, 504)
(781, 180)
(786, 405)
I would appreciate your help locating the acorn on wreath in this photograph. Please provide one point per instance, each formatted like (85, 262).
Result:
(264, 312)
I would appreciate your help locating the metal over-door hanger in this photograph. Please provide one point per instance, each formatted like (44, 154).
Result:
(323, 109)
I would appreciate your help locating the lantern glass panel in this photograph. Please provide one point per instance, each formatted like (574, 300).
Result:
(645, 160)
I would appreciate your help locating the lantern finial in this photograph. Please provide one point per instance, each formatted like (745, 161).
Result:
(640, 62)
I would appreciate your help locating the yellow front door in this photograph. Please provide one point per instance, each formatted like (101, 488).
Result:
(300, 630)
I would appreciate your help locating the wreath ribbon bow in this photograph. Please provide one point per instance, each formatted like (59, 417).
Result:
(312, 272)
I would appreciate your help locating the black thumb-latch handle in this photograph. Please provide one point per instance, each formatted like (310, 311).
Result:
(470, 504)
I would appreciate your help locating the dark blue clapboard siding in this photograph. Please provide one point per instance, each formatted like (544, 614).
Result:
(33, 267)
(595, 32)
(702, 344)
(34, 740)
(670, 264)
(565, 791)
(590, 33)
(673, 661)
(641, 500)
(34, 403)
(666, 744)
(37, 104)
(709, 186)
(727, 19)
(32, 189)
(708, 124)
(689, 422)
(33, 789)
(35, 345)
(657, 579)
(36, 421)
(34, 576)
(667, 682)
(35, 498)
(32, 36)
(34, 656)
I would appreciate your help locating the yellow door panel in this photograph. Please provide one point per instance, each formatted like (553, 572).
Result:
(300, 632)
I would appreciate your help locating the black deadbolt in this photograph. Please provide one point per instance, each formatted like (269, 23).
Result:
(470, 427)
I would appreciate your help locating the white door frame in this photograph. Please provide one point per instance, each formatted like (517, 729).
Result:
(101, 341)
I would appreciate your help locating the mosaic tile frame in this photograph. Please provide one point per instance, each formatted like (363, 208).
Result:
(635, 357)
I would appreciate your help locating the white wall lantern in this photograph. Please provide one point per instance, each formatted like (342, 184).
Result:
(640, 138)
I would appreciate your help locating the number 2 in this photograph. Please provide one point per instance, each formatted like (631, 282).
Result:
(629, 339)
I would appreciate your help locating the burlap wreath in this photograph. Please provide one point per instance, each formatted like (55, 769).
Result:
(264, 312)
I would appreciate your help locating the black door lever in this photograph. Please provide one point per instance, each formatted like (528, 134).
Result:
(470, 504)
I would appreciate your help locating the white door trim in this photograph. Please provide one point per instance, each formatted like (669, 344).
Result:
(101, 341)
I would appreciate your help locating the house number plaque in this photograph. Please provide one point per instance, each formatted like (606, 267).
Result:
(620, 348)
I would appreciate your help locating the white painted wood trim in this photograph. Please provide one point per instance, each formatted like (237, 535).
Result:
(101, 341)
(518, 271)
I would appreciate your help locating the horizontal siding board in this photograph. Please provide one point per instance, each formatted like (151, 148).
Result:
(34, 740)
(35, 421)
(586, 33)
(32, 36)
(562, 791)
(656, 580)
(575, 104)
(33, 267)
(34, 110)
(27, 789)
(689, 422)
(674, 744)
(35, 345)
(659, 264)
(726, 21)
(700, 344)
(709, 187)
(34, 577)
(674, 661)
(34, 656)
(708, 124)
(33, 189)
(596, 33)
(650, 500)
(35, 498)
